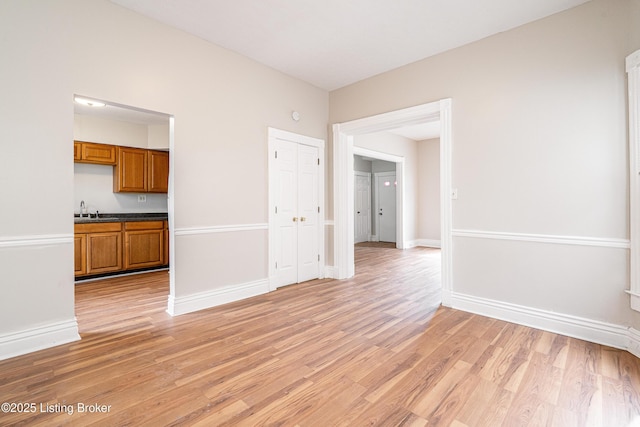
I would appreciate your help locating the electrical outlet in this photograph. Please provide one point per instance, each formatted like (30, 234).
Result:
(142, 198)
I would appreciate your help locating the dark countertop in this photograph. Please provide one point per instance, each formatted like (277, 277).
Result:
(120, 217)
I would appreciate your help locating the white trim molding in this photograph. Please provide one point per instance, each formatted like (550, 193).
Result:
(35, 240)
(186, 231)
(329, 272)
(424, 243)
(544, 238)
(215, 297)
(38, 338)
(633, 72)
(573, 326)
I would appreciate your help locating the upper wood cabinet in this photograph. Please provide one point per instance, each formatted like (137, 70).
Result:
(130, 172)
(141, 171)
(91, 152)
(158, 173)
(77, 151)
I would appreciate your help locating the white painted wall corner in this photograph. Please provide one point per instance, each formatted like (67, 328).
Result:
(38, 338)
(215, 297)
(423, 243)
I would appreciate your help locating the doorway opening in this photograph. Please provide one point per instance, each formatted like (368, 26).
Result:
(382, 166)
(343, 150)
(121, 229)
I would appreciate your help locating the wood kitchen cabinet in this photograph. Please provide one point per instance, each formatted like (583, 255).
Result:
(141, 171)
(144, 244)
(130, 172)
(80, 254)
(99, 247)
(77, 151)
(158, 171)
(91, 152)
(166, 242)
(120, 246)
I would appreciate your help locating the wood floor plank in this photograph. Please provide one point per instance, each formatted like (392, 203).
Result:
(377, 349)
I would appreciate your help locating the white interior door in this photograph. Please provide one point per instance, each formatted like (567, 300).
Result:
(297, 215)
(362, 205)
(386, 206)
(286, 212)
(308, 213)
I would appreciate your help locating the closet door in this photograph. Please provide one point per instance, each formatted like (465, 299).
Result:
(297, 217)
(308, 221)
(286, 212)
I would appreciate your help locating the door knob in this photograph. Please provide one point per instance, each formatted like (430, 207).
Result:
(295, 219)
(303, 218)
(380, 213)
(358, 211)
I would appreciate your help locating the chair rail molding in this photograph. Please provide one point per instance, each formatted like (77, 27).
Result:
(544, 238)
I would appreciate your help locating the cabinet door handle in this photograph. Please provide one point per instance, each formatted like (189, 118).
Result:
(295, 219)
(303, 218)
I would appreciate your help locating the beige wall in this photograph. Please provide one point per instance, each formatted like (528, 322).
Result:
(222, 104)
(429, 190)
(539, 147)
(107, 131)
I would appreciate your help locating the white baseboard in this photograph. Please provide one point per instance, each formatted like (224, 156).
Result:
(38, 338)
(424, 243)
(330, 272)
(634, 342)
(577, 327)
(213, 298)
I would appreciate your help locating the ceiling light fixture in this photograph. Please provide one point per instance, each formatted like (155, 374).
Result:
(89, 102)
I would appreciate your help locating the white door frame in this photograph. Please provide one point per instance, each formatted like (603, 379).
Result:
(343, 191)
(273, 135)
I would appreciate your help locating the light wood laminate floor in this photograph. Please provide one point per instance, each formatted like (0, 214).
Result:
(373, 350)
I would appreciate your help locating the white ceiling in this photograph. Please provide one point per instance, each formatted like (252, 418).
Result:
(122, 113)
(333, 43)
(420, 131)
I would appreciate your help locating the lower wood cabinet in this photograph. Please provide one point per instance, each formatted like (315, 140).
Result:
(166, 242)
(120, 246)
(143, 244)
(80, 254)
(102, 247)
(104, 252)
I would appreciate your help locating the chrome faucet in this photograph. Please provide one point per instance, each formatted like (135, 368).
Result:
(82, 208)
